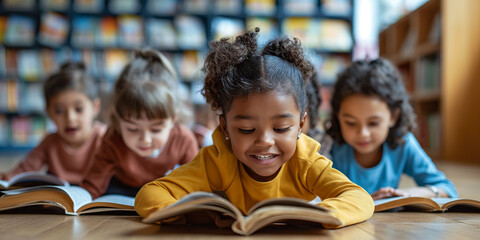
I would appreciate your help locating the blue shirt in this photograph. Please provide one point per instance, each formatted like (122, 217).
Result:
(408, 158)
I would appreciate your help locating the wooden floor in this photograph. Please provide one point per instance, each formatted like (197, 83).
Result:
(386, 225)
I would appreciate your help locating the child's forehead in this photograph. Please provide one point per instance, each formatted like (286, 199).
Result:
(263, 104)
(68, 97)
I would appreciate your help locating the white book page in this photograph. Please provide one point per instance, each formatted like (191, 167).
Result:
(116, 198)
(38, 176)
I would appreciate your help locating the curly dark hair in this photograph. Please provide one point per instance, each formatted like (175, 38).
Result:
(237, 68)
(373, 78)
(70, 76)
(314, 99)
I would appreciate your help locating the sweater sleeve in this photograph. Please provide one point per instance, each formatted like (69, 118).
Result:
(97, 179)
(34, 161)
(181, 181)
(421, 168)
(350, 203)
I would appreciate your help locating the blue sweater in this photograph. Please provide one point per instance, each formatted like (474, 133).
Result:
(409, 159)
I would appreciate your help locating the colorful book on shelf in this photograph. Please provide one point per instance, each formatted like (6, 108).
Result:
(230, 7)
(264, 213)
(32, 99)
(130, 30)
(189, 64)
(53, 29)
(305, 29)
(107, 31)
(191, 32)
(114, 60)
(300, 7)
(73, 199)
(20, 31)
(49, 63)
(162, 7)
(3, 121)
(336, 7)
(226, 27)
(335, 35)
(330, 67)
(55, 5)
(3, 25)
(161, 33)
(88, 6)
(18, 4)
(124, 6)
(428, 204)
(260, 7)
(30, 179)
(13, 94)
(196, 6)
(29, 65)
(20, 129)
(83, 31)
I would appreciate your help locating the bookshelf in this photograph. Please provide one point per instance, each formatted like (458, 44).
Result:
(36, 36)
(435, 47)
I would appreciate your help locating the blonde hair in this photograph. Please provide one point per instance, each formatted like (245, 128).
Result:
(147, 85)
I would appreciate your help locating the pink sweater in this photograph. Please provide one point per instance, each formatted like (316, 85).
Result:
(67, 163)
(114, 158)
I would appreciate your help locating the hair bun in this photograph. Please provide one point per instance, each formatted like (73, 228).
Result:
(68, 66)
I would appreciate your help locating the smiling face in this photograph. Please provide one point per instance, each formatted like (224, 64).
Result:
(73, 114)
(365, 122)
(262, 129)
(146, 137)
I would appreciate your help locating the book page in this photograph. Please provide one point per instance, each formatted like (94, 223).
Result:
(287, 201)
(451, 202)
(268, 215)
(37, 177)
(4, 184)
(194, 202)
(110, 202)
(78, 195)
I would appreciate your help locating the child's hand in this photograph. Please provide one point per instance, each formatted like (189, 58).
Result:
(388, 192)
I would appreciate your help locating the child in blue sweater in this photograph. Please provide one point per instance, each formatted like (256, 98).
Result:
(371, 123)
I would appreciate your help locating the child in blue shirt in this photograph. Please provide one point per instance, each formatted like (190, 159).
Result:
(371, 124)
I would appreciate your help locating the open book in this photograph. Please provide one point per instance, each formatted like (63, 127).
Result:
(74, 200)
(28, 179)
(427, 204)
(270, 211)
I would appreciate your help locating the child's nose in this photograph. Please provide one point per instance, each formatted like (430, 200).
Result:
(364, 131)
(145, 137)
(265, 139)
(71, 115)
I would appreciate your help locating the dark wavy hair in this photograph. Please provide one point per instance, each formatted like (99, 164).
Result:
(373, 78)
(70, 76)
(314, 99)
(237, 68)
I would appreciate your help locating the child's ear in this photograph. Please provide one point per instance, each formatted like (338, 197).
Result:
(395, 116)
(302, 122)
(223, 125)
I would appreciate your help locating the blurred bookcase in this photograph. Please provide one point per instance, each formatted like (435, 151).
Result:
(435, 48)
(36, 36)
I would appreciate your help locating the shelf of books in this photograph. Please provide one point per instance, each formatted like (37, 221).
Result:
(424, 46)
(36, 36)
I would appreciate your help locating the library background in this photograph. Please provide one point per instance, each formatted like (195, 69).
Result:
(431, 42)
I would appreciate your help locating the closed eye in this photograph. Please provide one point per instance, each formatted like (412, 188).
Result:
(246, 131)
(282, 130)
(133, 130)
